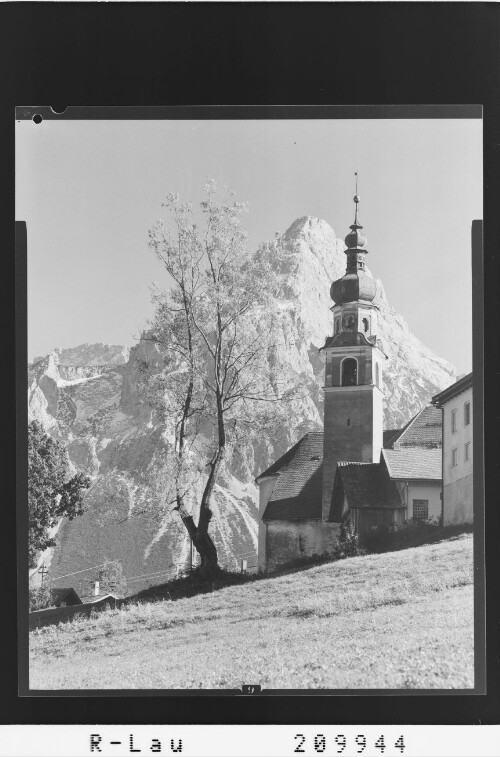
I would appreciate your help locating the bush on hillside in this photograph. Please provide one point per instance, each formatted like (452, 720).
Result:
(348, 545)
(40, 597)
(411, 533)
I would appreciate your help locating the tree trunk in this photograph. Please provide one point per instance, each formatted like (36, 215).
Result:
(202, 542)
(205, 547)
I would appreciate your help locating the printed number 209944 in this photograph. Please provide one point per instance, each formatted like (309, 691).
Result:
(340, 743)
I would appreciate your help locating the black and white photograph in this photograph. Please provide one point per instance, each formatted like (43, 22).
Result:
(251, 427)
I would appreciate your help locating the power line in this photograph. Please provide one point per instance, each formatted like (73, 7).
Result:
(57, 578)
(156, 573)
(148, 576)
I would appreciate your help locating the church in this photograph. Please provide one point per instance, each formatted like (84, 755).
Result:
(354, 469)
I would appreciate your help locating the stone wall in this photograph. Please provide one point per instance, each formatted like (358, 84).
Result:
(55, 615)
(266, 486)
(289, 540)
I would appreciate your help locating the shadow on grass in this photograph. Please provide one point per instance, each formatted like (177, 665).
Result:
(192, 585)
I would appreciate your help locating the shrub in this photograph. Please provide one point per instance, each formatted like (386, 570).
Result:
(348, 545)
(40, 597)
(411, 533)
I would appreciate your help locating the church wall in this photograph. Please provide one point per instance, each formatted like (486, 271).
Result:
(377, 425)
(352, 432)
(289, 540)
(266, 486)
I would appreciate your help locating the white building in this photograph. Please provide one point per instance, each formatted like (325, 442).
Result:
(456, 405)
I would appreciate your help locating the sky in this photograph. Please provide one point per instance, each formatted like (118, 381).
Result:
(90, 190)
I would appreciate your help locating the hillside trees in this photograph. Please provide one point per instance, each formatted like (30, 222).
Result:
(52, 493)
(216, 335)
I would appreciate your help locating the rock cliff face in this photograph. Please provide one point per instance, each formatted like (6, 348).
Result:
(89, 398)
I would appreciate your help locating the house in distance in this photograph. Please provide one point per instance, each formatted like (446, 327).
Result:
(455, 402)
(64, 597)
(353, 470)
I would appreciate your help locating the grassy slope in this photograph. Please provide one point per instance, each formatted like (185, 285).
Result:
(396, 620)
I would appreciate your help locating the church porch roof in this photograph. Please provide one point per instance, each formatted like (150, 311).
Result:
(366, 485)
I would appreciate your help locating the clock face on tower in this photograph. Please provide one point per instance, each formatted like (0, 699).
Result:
(348, 322)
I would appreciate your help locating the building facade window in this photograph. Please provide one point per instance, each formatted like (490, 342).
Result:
(467, 451)
(349, 372)
(454, 457)
(337, 325)
(467, 414)
(377, 375)
(420, 509)
(366, 325)
(454, 420)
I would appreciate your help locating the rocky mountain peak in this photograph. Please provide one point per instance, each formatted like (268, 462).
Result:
(91, 355)
(312, 229)
(90, 398)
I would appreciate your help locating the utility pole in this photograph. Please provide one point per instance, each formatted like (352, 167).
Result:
(43, 570)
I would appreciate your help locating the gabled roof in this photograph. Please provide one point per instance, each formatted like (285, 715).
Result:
(424, 430)
(364, 485)
(62, 595)
(297, 492)
(451, 391)
(414, 463)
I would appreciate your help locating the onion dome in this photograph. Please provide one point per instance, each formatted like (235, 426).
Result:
(356, 284)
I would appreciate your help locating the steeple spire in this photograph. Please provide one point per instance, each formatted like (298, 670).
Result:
(355, 239)
(355, 285)
(356, 200)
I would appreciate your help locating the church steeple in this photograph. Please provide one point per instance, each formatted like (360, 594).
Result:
(355, 285)
(353, 407)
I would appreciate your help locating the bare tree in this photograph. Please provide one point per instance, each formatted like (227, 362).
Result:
(216, 335)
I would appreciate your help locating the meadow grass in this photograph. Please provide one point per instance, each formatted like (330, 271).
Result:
(395, 620)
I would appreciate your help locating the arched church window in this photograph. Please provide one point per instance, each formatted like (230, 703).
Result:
(337, 325)
(349, 372)
(377, 374)
(366, 325)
